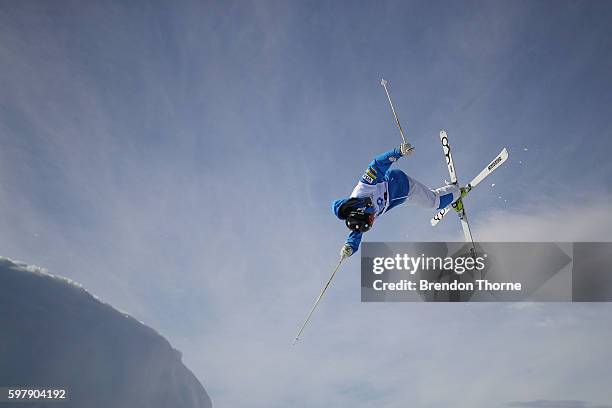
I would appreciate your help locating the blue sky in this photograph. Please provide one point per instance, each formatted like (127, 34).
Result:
(179, 160)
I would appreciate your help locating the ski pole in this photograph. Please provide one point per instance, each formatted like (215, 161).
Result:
(318, 299)
(384, 85)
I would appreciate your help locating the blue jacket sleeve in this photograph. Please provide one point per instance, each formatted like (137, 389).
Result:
(353, 240)
(375, 172)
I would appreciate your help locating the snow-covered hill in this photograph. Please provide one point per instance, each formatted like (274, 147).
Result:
(54, 333)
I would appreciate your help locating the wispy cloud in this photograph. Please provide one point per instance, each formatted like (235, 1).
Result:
(576, 217)
(555, 404)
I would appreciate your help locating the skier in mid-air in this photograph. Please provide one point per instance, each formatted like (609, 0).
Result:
(380, 189)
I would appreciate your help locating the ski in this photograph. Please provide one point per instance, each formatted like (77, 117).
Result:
(490, 168)
(453, 178)
(449, 157)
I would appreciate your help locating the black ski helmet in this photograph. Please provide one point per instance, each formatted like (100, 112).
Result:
(359, 221)
(357, 213)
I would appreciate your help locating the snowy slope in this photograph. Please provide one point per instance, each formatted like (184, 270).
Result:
(55, 333)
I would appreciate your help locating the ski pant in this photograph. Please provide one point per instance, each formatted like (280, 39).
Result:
(438, 198)
(422, 196)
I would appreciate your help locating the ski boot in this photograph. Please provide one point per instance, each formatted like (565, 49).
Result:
(458, 205)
